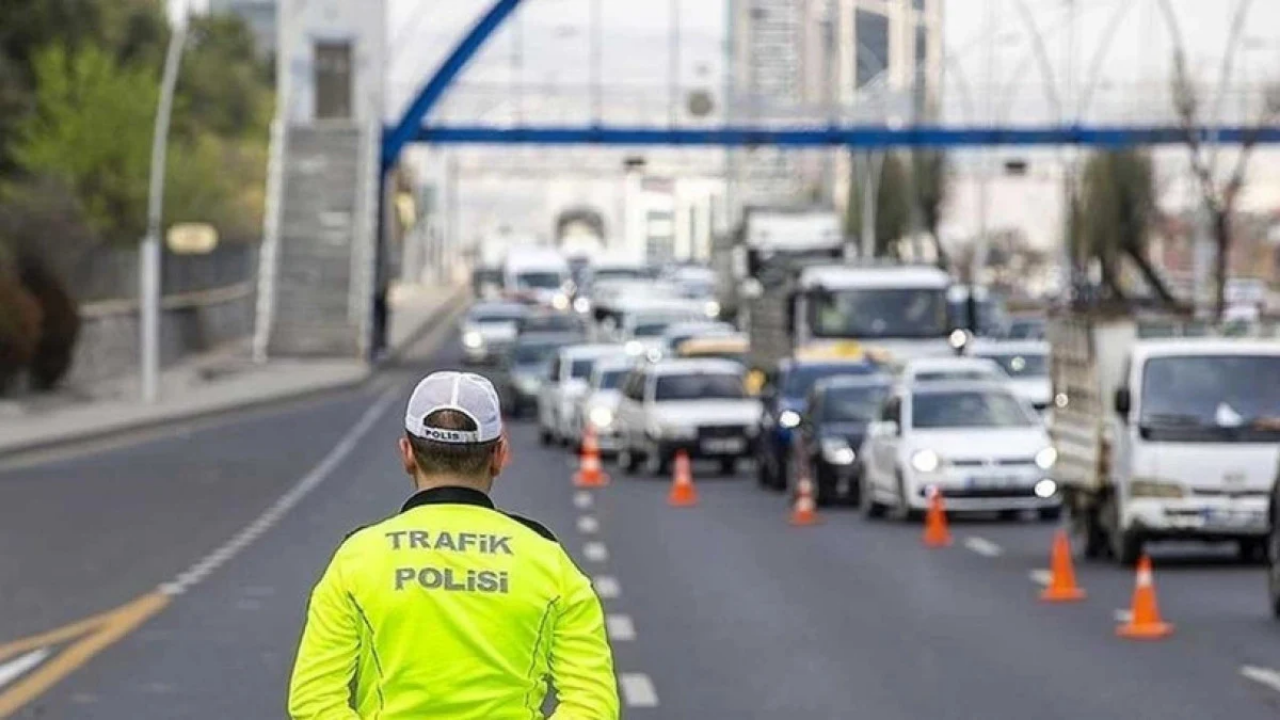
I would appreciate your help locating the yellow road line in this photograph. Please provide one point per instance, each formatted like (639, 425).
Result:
(98, 633)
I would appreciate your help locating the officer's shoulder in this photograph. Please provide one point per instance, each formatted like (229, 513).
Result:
(533, 525)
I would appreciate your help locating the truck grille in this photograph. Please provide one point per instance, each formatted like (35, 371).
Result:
(714, 432)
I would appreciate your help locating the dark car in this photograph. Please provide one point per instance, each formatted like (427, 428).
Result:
(783, 399)
(551, 322)
(525, 367)
(829, 438)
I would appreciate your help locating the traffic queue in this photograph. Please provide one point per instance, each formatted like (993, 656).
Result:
(1140, 430)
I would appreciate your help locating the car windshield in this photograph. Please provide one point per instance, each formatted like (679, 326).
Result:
(699, 386)
(969, 409)
(550, 323)
(581, 368)
(799, 380)
(956, 374)
(1026, 329)
(650, 329)
(1211, 398)
(991, 315)
(496, 315)
(611, 379)
(1022, 365)
(879, 313)
(534, 354)
(853, 404)
(539, 280)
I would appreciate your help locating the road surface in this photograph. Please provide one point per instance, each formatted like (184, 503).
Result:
(167, 576)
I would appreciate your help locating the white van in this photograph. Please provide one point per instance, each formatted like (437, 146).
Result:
(537, 274)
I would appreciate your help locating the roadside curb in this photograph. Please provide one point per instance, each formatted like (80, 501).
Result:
(447, 309)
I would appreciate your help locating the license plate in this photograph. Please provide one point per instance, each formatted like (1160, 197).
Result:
(723, 446)
(993, 481)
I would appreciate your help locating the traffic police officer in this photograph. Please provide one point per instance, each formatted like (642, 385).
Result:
(453, 609)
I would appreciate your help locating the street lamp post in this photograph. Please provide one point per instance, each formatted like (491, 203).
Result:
(150, 256)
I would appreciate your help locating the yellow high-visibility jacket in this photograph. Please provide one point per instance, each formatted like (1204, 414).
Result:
(455, 610)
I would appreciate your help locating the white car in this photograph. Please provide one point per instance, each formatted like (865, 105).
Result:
(597, 408)
(566, 381)
(1026, 362)
(949, 368)
(696, 406)
(643, 323)
(976, 442)
(489, 329)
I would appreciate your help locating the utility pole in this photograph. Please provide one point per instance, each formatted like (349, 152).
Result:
(150, 255)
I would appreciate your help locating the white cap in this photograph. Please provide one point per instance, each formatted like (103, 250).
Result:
(466, 393)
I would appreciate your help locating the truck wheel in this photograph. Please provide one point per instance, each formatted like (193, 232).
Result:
(1253, 550)
(1049, 514)
(728, 466)
(905, 511)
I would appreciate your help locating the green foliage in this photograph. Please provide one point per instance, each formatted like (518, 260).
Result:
(893, 205)
(92, 131)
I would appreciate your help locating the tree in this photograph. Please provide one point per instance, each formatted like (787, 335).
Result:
(893, 205)
(1218, 193)
(92, 131)
(930, 181)
(1114, 216)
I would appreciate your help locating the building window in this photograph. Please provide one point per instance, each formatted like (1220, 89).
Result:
(918, 4)
(871, 30)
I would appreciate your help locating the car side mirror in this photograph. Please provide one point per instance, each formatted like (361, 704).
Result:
(1123, 402)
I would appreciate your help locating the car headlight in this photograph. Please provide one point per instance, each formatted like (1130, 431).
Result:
(1156, 489)
(711, 309)
(1046, 488)
(582, 306)
(473, 340)
(633, 347)
(560, 301)
(601, 417)
(925, 461)
(789, 419)
(837, 451)
(1046, 458)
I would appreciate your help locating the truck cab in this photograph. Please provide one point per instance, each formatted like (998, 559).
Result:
(896, 312)
(1174, 438)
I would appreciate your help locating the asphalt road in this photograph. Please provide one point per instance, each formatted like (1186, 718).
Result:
(718, 611)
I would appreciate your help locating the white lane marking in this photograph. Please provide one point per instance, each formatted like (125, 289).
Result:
(582, 500)
(1040, 577)
(1123, 615)
(620, 627)
(272, 515)
(588, 525)
(1264, 676)
(595, 551)
(637, 690)
(607, 587)
(22, 664)
(983, 547)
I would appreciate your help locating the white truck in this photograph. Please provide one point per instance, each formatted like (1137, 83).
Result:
(537, 274)
(1169, 438)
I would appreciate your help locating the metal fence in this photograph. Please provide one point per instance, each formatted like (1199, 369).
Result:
(112, 273)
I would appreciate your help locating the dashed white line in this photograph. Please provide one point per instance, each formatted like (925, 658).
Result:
(1041, 577)
(595, 551)
(1261, 675)
(607, 587)
(21, 665)
(637, 690)
(588, 525)
(620, 627)
(269, 517)
(983, 547)
(582, 500)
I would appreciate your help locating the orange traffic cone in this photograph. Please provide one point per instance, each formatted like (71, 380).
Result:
(682, 494)
(590, 473)
(1144, 620)
(1062, 576)
(805, 510)
(936, 533)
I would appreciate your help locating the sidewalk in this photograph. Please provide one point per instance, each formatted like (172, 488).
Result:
(220, 381)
